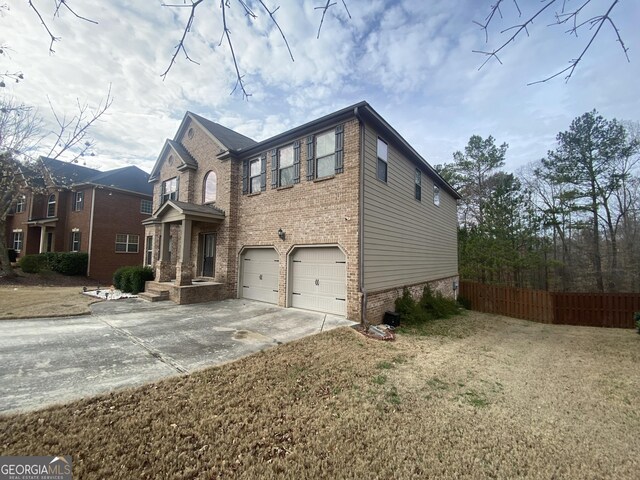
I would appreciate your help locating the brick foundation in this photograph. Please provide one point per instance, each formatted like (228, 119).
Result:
(382, 301)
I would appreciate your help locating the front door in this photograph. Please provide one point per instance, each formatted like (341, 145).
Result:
(209, 255)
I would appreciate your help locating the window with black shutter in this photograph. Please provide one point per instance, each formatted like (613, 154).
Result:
(383, 153)
(418, 185)
(254, 176)
(310, 159)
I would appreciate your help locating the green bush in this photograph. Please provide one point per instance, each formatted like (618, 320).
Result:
(66, 263)
(431, 306)
(132, 279)
(73, 263)
(436, 305)
(32, 263)
(636, 317)
(13, 255)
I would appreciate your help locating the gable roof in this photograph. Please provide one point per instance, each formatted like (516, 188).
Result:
(129, 178)
(182, 210)
(67, 174)
(230, 139)
(185, 158)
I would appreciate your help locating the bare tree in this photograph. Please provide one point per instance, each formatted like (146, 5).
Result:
(575, 19)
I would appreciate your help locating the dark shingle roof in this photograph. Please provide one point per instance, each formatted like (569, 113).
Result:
(129, 178)
(65, 174)
(230, 139)
(185, 156)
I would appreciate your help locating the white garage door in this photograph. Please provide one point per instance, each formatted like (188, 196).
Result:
(260, 273)
(319, 280)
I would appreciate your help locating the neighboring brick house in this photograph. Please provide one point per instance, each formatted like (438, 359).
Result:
(80, 209)
(335, 215)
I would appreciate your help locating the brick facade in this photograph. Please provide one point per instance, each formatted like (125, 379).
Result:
(116, 211)
(313, 212)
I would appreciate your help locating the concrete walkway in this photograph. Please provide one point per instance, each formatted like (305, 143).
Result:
(128, 343)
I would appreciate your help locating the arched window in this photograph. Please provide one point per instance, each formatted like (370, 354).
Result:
(210, 188)
(51, 206)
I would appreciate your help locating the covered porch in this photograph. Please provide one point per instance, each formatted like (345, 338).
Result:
(182, 285)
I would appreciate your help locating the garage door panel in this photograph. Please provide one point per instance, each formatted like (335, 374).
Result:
(319, 279)
(260, 274)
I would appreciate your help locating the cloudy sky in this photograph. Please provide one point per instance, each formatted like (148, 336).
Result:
(411, 60)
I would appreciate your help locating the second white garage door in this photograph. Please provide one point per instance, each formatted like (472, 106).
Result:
(319, 280)
(260, 273)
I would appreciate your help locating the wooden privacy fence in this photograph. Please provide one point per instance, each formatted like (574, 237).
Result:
(587, 309)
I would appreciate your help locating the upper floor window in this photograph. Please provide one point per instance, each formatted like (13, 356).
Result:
(285, 163)
(51, 206)
(255, 182)
(78, 201)
(21, 204)
(436, 195)
(210, 187)
(325, 154)
(170, 189)
(146, 206)
(75, 242)
(127, 243)
(418, 185)
(383, 152)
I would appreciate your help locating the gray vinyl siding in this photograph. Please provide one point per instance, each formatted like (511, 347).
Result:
(405, 241)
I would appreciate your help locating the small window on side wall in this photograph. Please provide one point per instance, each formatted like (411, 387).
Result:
(418, 185)
(285, 166)
(383, 152)
(436, 195)
(325, 154)
(210, 188)
(255, 184)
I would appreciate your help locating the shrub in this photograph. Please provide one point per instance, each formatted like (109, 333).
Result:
(132, 279)
(32, 264)
(436, 305)
(13, 255)
(66, 263)
(636, 317)
(72, 263)
(409, 310)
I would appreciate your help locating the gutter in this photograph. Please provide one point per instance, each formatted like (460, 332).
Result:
(363, 305)
(93, 205)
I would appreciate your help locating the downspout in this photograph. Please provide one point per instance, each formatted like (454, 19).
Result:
(93, 204)
(363, 304)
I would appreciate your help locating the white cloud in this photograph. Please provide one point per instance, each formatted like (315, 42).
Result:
(411, 60)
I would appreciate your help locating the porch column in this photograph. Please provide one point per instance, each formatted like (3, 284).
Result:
(184, 269)
(43, 239)
(163, 266)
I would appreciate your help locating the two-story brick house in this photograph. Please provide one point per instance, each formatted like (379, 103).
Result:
(80, 209)
(336, 215)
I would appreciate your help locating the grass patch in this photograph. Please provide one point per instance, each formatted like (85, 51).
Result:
(254, 419)
(34, 302)
(379, 379)
(385, 365)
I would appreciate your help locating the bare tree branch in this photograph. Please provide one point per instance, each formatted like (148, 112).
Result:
(187, 28)
(58, 4)
(239, 78)
(561, 18)
(326, 7)
(71, 134)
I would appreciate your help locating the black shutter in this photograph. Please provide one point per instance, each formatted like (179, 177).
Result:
(275, 183)
(177, 188)
(339, 148)
(245, 177)
(296, 161)
(79, 241)
(71, 242)
(263, 173)
(310, 159)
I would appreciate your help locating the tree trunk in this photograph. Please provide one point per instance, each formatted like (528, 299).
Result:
(597, 259)
(5, 265)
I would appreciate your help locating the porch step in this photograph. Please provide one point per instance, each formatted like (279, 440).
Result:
(154, 296)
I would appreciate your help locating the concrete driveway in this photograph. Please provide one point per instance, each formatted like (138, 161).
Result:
(128, 343)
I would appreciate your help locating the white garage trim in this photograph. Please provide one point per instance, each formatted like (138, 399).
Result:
(259, 274)
(317, 278)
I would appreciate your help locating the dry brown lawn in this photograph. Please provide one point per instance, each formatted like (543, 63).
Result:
(18, 301)
(495, 398)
